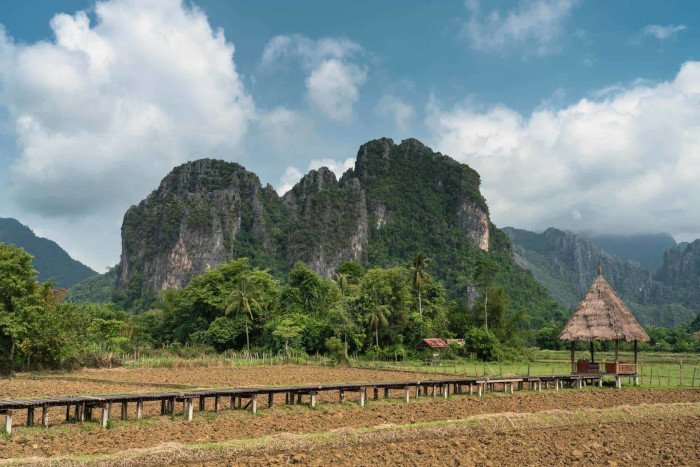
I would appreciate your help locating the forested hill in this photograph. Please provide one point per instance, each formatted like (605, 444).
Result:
(397, 200)
(566, 264)
(50, 260)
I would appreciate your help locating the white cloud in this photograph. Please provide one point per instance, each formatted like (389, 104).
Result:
(104, 110)
(283, 129)
(292, 175)
(533, 28)
(624, 162)
(395, 107)
(333, 77)
(663, 32)
(288, 179)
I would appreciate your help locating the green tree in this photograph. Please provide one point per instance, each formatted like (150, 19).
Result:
(20, 297)
(243, 300)
(379, 316)
(285, 330)
(484, 275)
(419, 276)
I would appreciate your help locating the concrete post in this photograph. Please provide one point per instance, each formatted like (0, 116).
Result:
(139, 410)
(8, 422)
(254, 403)
(362, 397)
(313, 399)
(407, 395)
(444, 391)
(190, 409)
(270, 400)
(45, 417)
(106, 408)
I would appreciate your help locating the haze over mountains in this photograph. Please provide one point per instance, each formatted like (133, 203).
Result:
(566, 264)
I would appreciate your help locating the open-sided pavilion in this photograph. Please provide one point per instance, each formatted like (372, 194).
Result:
(601, 316)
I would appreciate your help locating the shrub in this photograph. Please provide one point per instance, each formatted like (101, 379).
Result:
(483, 343)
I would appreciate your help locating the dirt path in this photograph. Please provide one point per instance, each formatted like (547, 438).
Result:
(71, 439)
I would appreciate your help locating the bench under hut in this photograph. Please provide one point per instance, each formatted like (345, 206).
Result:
(433, 347)
(602, 316)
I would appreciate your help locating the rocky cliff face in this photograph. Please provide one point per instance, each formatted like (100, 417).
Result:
(208, 211)
(566, 264)
(680, 272)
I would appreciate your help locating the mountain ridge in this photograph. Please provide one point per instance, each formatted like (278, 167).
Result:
(50, 260)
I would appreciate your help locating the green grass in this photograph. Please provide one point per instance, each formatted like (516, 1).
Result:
(658, 369)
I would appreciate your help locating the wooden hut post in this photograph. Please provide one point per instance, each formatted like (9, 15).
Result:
(636, 367)
(592, 354)
(573, 363)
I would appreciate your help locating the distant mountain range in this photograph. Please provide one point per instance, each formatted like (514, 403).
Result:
(566, 264)
(50, 260)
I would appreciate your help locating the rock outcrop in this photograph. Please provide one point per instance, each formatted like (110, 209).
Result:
(210, 211)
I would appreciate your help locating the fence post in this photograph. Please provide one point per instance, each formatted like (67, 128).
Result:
(694, 370)
(681, 373)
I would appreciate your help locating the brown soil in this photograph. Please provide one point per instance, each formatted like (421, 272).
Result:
(89, 438)
(650, 442)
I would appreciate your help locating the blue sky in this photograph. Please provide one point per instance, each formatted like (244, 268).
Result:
(578, 114)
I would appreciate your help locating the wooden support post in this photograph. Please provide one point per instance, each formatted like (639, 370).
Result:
(217, 404)
(270, 399)
(139, 410)
(694, 370)
(189, 413)
(471, 389)
(106, 408)
(232, 402)
(45, 417)
(30, 416)
(240, 401)
(312, 402)
(162, 407)
(254, 403)
(407, 394)
(68, 413)
(124, 410)
(592, 353)
(8, 422)
(573, 363)
(681, 372)
(341, 396)
(617, 353)
(618, 382)
(86, 412)
(376, 394)
(76, 412)
(202, 403)
(386, 393)
(362, 397)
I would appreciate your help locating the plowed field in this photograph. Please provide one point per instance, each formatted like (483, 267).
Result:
(67, 439)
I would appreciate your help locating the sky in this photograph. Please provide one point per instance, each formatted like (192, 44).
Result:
(578, 114)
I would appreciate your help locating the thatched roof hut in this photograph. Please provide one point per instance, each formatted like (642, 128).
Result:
(602, 316)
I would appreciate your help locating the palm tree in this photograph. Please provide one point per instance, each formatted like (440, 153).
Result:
(484, 275)
(242, 300)
(377, 317)
(342, 281)
(419, 277)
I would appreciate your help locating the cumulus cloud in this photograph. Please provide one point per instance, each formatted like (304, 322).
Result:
(625, 162)
(534, 28)
(333, 77)
(400, 111)
(663, 32)
(104, 110)
(283, 129)
(292, 175)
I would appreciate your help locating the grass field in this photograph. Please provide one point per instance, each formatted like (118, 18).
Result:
(658, 369)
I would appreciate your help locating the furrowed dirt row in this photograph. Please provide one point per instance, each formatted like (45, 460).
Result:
(71, 439)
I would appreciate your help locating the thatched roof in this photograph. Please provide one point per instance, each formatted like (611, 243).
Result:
(602, 316)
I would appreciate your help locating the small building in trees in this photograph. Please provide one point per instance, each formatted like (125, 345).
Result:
(433, 348)
(602, 316)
